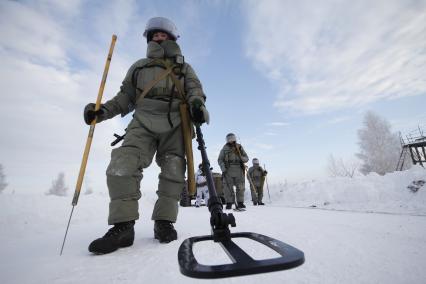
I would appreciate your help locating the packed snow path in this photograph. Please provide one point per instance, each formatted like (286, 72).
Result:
(339, 247)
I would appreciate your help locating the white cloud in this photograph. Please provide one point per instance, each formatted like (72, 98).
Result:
(278, 124)
(28, 34)
(115, 17)
(329, 55)
(338, 119)
(264, 146)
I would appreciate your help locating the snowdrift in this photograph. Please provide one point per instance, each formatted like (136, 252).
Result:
(390, 193)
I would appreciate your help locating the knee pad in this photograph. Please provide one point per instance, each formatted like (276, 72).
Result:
(125, 161)
(172, 167)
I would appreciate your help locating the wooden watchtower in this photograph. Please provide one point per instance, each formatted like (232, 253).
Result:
(414, 144)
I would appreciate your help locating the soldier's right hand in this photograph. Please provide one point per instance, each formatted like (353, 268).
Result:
(199, 112)
(90, 114)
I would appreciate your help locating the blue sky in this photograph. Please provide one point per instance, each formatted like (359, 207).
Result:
(291, 79)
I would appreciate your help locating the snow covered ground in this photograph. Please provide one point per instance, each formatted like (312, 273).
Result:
(348, 242)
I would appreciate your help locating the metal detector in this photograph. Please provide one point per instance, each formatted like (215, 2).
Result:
(242, 263)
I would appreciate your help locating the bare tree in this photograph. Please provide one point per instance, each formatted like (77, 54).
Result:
(58, 186)
(340, 168)
(3, 183)
(379, 147)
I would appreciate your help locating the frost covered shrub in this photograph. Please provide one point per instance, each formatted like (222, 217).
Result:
(58, 186)
(379, 147)
(3, 183)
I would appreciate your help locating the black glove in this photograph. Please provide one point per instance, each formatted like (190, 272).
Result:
(199, 112)
(90, 114)
(265, 172)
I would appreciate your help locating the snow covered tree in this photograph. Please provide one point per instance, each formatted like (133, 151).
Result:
(58, 186)
(379, 147)
(340, 168)
(3, 183)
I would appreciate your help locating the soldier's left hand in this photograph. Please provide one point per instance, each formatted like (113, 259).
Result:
(199, 112)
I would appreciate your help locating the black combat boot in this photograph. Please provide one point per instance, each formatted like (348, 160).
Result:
(261, 203)
(119, 236)
(164, 231)
(241, 205)
(228, 205)
(255, 203)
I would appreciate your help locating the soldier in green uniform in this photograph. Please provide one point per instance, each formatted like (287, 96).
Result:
(232, 159)
(150, 91)
(256, 174)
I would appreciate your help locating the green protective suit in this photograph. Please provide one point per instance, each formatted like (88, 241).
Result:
(257, 175)
(154, 129)
(233, 171)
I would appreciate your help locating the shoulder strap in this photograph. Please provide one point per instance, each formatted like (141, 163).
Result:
(151, 84)
(178, 85)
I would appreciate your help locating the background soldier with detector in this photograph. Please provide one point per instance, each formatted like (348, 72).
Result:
(231, 161)
(202, 189)
(151, 88)
(257, 175)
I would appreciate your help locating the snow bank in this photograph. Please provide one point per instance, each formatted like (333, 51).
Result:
(388, 194)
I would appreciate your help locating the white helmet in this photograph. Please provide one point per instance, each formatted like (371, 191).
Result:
(231, 138)
(160, 24)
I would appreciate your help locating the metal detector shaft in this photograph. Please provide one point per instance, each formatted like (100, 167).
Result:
(267, 186)
(206, 162)
(219, 221)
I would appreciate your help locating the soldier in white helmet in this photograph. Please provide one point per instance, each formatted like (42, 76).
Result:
(232, 159)
(257, 175)
(153, 88)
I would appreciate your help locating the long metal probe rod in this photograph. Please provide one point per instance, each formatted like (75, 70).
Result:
(90, 137)
(66, 232)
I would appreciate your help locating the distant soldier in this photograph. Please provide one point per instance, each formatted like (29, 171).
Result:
(231, 161)
(256, 174)
(202, 189)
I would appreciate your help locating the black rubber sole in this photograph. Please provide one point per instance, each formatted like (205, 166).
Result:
(164, 241)
(107, 251)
